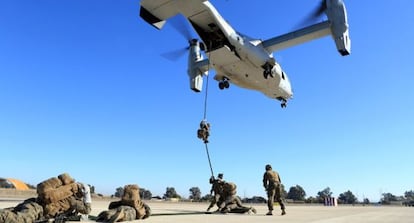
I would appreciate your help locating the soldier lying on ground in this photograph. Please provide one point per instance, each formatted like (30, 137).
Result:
(229, 202)
(58, 197)
(64, 198)
(28, 211)
(129, 208)
(233, 204)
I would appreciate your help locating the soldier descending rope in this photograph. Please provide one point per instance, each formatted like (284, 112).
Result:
(204, 131)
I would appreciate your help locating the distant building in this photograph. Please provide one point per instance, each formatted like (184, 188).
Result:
(13, 183)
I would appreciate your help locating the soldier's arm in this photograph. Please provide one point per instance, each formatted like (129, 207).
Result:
(265, 181)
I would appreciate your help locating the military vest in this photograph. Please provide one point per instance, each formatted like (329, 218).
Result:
(272, 177)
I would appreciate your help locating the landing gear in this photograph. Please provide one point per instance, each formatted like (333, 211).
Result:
(224, 84)
(267, 70)
(284, 103)
(266, 73)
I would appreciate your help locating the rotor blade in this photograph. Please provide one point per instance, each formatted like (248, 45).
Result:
(181, 25)
(321, 9)
(313, 16)
(175, 54)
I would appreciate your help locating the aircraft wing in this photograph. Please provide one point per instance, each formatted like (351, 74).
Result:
(156, 12)
(200, 13)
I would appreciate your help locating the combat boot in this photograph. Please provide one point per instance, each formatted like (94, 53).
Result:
(283, 212)
(269, 213)
(253, 210)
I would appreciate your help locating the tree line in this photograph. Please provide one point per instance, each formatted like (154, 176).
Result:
(296, 193)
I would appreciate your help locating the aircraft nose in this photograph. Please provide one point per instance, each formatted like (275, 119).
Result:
(289, 91)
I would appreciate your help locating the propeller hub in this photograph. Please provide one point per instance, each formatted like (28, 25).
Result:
(193, 42)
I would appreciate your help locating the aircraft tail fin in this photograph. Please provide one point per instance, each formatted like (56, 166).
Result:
(336, 25)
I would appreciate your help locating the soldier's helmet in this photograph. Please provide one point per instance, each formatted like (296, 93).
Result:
(203, 123)
(220, 176)
(268, 167)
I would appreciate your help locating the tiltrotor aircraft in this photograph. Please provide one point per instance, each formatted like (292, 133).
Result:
(237, 58)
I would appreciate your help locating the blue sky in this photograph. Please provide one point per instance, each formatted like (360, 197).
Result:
(84, 90)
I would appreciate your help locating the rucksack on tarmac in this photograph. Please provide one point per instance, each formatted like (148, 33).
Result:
(131, 198)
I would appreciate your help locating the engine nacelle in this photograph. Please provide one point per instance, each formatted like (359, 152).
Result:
(196, 80)
(336, 12)
(196, 66)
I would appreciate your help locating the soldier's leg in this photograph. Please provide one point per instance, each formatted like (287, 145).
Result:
(8, 216)
(104, 216)
(200, 134)
(220, 203)
(130, 213)
(279, 200)
(239, 210)
(28, 211)
(228, 208)
(147, 211)
(244, 209)
(118, 216)
(123, 213)
(205, 136)
(270, 199)
(213, 201)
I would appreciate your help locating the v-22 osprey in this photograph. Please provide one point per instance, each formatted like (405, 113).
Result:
(239, 59)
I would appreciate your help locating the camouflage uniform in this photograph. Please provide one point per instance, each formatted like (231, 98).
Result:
(229, 202)
(217, 189)
(27, 212)
(121, 213)
(58, 197)
(129, 208)
(62, 197)
(271, 182)
(204, 131)
(233, 204)
(81, 202)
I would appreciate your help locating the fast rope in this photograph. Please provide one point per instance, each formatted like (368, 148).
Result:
(209, 161)
(205, 116)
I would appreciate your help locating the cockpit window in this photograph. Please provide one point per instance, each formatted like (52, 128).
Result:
(283, 75)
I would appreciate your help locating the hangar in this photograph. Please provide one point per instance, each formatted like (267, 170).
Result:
(13, 183)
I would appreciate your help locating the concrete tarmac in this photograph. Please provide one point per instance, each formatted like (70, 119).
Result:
(163, 212)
